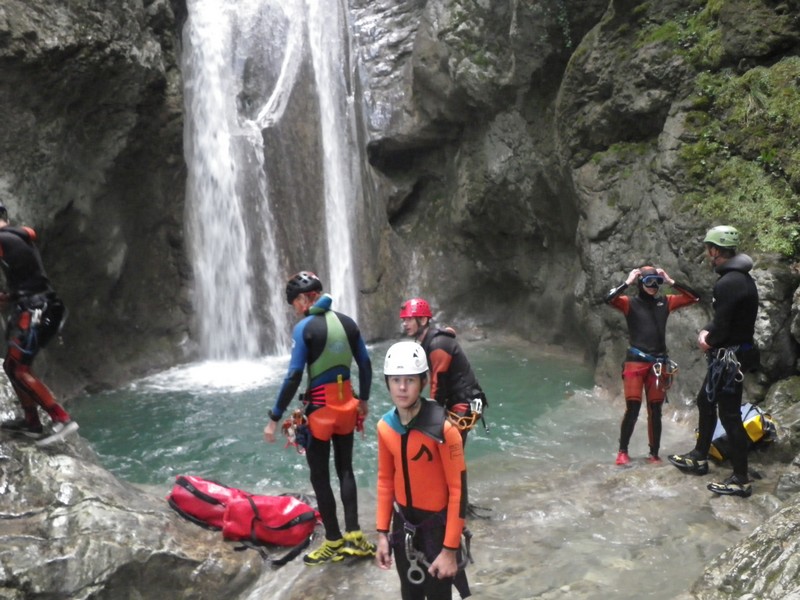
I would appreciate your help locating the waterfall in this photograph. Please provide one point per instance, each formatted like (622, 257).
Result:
(327, 20)
(241, 65)
(215, 221)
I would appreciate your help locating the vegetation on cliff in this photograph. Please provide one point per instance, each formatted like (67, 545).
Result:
(741, 152)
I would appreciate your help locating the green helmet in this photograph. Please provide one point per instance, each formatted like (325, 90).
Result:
(723, 236)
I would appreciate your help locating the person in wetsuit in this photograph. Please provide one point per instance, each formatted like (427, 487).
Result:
(36, 317)
(647, 367)
(453, 382)
(422, 477)
(731, 351)
(327, 342)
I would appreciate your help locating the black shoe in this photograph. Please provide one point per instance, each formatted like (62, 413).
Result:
(689, 463)
(731, 487)
(22, 427)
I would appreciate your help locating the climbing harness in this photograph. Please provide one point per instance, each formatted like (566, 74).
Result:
(663, 368)
(464, 416)
(295, 428)
(724, 372)
(667, 369)
(417, 559)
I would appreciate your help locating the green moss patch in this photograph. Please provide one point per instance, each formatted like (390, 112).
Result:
(744, 167)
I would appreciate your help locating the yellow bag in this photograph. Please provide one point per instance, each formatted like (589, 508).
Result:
(760, 427)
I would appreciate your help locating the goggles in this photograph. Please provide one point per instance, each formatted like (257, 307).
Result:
(652, 281)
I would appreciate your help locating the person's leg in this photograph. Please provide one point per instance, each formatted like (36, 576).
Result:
(632, 407)
(654, 427)
(343, 461)
(22, 350)
(707, 421)
(318, 458)
(633, 378)
(696, 461)
(655, 402)
(730, 415)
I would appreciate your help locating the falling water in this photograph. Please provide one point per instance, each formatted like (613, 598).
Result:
(217, 233)
(327, 24)
(237, 55)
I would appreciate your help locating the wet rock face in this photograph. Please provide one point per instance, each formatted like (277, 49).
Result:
(91, 155)
(71, 530)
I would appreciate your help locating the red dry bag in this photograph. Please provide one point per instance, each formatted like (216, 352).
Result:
(202, 501)
(278, 520)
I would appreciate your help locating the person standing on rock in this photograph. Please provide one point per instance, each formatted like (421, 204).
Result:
(453, 382)
(422, 481)
(327, 342)
(647, 368)
(728, 342)
(36, 316)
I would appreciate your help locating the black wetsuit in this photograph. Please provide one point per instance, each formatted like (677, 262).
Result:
(735, 304)
(33, 322)
(452, 378)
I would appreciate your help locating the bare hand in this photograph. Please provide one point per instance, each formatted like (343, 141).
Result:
(383, 553)
(269, 431)
(669, 280)
(701, 341)
(632, 277)
(445, 565)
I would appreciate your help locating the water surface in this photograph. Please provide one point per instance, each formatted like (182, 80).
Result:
(565, 521)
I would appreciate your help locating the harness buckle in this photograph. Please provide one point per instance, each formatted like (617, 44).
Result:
(415, 573)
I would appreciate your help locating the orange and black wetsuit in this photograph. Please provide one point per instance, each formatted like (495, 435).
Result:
(422, 480)
(36, 317)
(453, 382)
(646, 317)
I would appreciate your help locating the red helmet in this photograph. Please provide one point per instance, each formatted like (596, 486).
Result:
(416, 307)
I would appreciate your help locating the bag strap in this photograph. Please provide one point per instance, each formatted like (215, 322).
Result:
(276, 562)
(190, 487)
(256, 545)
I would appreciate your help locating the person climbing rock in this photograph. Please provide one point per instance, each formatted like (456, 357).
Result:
(35, 318)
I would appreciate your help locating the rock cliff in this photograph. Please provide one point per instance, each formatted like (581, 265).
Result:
(524, 156)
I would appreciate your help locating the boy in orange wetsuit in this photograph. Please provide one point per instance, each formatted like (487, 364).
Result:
(646, 362)
(422, 478)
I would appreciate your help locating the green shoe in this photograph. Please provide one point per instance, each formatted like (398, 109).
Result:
(328, 552)
(355, 544)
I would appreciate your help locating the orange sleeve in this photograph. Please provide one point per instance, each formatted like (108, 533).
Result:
(385, 500)
(440, 363)
(621, 303)
(676, 301)
(455, 472)
(31, 233)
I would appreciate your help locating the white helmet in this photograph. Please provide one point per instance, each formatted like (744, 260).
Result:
(405, 358)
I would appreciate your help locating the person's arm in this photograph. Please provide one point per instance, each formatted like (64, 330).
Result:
(364, 364)
(440, 359)
(455, 472)
(294, 376)
(385, 500)
(685, 296)
(615, 297)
